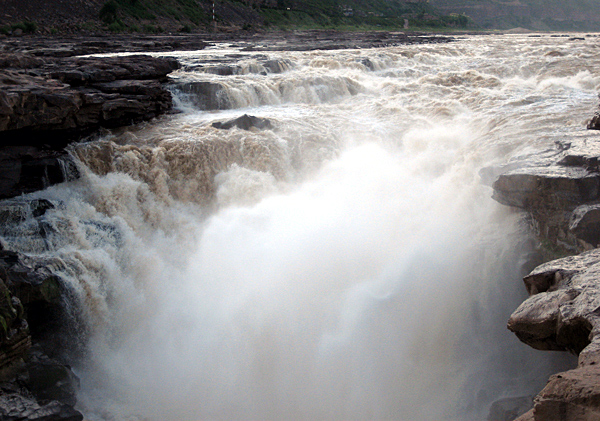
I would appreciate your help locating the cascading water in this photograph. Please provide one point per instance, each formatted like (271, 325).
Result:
(347, 263)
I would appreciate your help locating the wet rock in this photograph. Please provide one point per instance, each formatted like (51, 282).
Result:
(277, 66)
(19, 407)
(79, 44)
(585, 224)
(558, 193)
(221, 70)
(25, 169)
(206, 95)
(30, 279)
(245, 122)
(594, 123)
(19, 61)
(33, 386)
(15, 339)
(507, 409)
(555, 187)
(366, 61)
(69, 96)
(571, 395)
(47, 379)
(108, 69)
(43, 109)
(561, 312)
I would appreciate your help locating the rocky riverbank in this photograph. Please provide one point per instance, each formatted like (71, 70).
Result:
(50, 96)
(560, 190)
(45, 102)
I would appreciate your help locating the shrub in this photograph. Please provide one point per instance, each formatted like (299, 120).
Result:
(25, 26)
(108, 12)
(117, 26)
(153, 29)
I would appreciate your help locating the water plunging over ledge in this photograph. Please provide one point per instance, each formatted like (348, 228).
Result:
(346, 263)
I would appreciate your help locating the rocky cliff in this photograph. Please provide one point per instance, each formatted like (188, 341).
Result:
(561, 193)
(45, 102)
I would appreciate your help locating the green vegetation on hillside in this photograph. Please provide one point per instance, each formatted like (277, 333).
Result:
(121, 15)
(26, 27)
(149, 15)
(364, 14)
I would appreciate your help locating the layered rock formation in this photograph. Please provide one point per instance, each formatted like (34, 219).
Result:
(45, 103)
(562, 314)
(561, 193)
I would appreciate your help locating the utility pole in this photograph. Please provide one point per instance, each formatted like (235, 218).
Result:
(213, 17)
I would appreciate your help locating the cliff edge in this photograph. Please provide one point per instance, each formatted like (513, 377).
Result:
(561, 193)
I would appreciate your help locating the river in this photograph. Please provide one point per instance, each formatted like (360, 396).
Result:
(346, 263)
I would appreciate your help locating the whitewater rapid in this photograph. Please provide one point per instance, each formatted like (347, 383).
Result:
(348, 263)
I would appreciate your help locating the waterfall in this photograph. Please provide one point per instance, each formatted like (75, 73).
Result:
(346, 263)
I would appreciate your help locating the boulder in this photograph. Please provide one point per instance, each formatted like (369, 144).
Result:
(245, 122)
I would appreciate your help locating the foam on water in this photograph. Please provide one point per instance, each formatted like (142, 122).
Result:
(347, 264)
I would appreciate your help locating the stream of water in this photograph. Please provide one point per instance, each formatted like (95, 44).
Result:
(346, 264)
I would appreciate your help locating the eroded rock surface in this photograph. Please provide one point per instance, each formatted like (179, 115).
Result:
(45, 103)
(562, 314)
(561, 193)
(71, 96)
(245, 122)
(569, 396)
(33, 386)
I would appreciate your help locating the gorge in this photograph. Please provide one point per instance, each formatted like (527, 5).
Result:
(312, 234)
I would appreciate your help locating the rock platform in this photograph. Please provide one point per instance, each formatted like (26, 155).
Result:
(561, 193)
(47, 102)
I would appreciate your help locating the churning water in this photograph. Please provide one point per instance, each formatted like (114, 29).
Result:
(347, 263)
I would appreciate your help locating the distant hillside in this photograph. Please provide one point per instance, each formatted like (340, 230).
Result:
(50, 16)
(571, 15)
(197, 15)
(282, 14)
